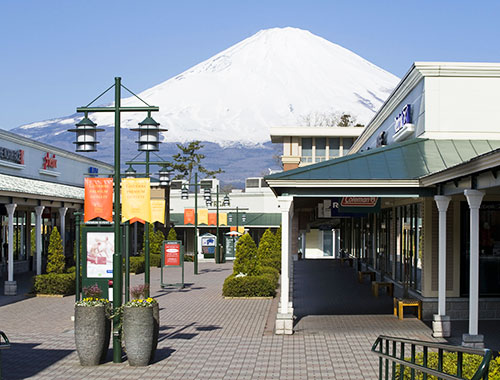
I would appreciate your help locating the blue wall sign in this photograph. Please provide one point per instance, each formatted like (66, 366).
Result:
(403, 118)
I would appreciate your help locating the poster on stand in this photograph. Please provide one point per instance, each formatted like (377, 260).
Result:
(100, 249)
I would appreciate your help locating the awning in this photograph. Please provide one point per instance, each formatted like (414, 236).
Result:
(30, 188)
(393, 170)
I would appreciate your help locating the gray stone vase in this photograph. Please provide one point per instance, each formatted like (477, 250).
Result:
(138, 331)
(91, 328)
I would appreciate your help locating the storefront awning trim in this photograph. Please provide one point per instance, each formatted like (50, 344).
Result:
(18, 185)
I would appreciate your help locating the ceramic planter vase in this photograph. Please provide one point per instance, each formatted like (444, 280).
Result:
(92, 334)
(138, 334)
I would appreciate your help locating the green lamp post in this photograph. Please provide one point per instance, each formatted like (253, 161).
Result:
(86, 142)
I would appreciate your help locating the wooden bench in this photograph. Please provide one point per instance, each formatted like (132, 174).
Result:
(376, 285)
(363, 273)
(348, 259)
(400, 303)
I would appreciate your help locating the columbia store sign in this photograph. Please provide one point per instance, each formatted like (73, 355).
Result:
(16, 156)
(359, 201)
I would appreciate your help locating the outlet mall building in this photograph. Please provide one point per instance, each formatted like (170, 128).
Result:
(41, 186)
(417, 198)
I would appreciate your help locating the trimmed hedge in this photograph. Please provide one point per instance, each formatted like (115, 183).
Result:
(154, 259)
(55, 283)
(249, 286)
(188, 257)
(273, 272)
(470, 365)
(137, 264)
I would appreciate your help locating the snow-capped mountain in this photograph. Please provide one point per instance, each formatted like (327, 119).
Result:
(272, 78)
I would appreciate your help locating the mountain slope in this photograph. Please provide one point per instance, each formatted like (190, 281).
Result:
(272, 78)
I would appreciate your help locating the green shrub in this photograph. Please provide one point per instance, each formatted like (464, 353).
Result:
(55, 283)
(273, 272)
(470, 365)
(267, 254)
(172, 235)
(137, 264)
(71, 270)
(188, 257)
(155, 241)
(56, 259)
(246, 256)
(249, 286)
(155, 260)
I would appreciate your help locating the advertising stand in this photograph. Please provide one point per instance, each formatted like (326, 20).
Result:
(172, 256)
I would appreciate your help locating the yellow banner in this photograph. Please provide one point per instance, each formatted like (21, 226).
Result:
(203, 216)
(158, 210)
(222, 218)
(241, 229)
(136, 199)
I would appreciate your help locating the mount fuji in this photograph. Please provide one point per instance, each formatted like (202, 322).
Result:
(231, 100)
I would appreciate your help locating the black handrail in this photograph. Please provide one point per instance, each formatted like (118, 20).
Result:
(381, 348)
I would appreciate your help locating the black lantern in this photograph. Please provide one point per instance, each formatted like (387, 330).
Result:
(184, 192)
(149, 135)
(86, 131)
(225, 201)
(164, 176)
(130, 172)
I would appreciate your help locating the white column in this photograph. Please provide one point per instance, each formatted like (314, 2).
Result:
(38, 236)
(10, 286)
(62, 218)
(474, 198)
(441, 323)
(284, 321)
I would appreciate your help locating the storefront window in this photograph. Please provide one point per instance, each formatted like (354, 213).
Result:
(489, 249)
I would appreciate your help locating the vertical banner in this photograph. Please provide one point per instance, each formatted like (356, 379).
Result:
(203, 216)
(136, 199)
(212, 218)
(222, 219)
(189, 216)
(98, 199)
(158, 210)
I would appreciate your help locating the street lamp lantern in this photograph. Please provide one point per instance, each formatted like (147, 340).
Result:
(149, 135)
(86, 132)
(225, 201)
(184, 192)
(164, 176)
(130, 172)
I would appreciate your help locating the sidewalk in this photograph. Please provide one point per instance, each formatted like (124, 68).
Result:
(202, 336)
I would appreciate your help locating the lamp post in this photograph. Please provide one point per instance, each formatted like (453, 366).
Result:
(86, 142)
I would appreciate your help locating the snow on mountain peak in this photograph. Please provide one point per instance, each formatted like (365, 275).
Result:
(269, 79)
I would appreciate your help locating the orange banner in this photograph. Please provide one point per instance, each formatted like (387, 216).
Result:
(98, 199)
(203, 216)
(212, 218)
(189, 216)
(241, 229)
(133, 220)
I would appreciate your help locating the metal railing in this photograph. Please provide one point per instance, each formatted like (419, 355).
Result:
(4, 344)
(394, 365)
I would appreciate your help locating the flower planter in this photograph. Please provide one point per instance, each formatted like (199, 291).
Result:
(92, 332)
(138, 331)
(156, 329)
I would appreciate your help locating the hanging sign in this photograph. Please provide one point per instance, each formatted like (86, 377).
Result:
(241, 229)
(189, 216)
(222, 219)
(212, 219)
(158, 210)
(136, 199)
(203, 216)
(133, 220)
(98, 199)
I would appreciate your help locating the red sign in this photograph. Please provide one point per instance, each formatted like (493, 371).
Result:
(212, 219)
(172, 252)
(189, 216)
(49, 162)
(359, 201)
(98, 199)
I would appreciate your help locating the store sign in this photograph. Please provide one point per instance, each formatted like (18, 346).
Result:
(172, 254)
(359, 201)
(93, 170)
(49, 161)
(16, 156)
(403, 118)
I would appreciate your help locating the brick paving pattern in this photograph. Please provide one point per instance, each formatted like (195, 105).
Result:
(204, 336)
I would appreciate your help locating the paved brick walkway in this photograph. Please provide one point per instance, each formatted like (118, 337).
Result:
(202, 336)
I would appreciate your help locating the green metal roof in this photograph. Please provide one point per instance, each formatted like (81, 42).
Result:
(410, 159)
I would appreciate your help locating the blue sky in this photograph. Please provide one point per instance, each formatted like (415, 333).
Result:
(57, 55)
